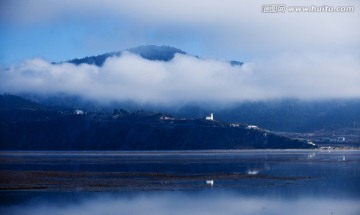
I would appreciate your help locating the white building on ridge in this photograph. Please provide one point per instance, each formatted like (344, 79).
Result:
(79, 112)
(211, 117)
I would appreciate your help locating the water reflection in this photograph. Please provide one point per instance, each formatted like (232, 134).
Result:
(165, 203)
(214, 182)
(311, 155)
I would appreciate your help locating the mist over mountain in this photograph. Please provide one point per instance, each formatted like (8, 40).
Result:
(167, 79)
(165, 76)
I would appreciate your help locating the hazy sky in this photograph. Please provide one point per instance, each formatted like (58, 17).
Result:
(304, 54)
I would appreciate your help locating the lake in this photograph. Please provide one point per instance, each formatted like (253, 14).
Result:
(180, 182)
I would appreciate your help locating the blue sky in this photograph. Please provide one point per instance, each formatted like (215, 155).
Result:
(60, 30)
(61, 34)
(305, 55)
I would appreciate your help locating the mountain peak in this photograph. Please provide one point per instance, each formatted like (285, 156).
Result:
(149, 52)
(153, 52)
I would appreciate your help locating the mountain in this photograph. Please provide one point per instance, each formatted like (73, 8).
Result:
(49, 129)
(149, 52)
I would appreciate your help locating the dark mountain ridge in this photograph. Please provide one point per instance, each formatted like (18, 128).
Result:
(290, 115)
(42, 128)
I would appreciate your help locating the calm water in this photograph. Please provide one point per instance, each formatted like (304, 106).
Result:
(244, 182)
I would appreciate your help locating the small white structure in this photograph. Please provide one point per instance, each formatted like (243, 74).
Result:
(79, 112)
(341, 139)
(211, 117)
(253, 172)
(252, 127)
(210, 182)
(311, 143)
(166, 118)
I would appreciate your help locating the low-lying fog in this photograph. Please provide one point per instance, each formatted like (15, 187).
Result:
(165, 203)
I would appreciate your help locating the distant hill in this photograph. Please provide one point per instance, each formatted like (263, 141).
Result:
(289, 115)
(149, 52)
(42, 129)
(17, 108)
(15, 102)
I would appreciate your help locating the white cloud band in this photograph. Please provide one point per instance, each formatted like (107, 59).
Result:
(188, 79)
